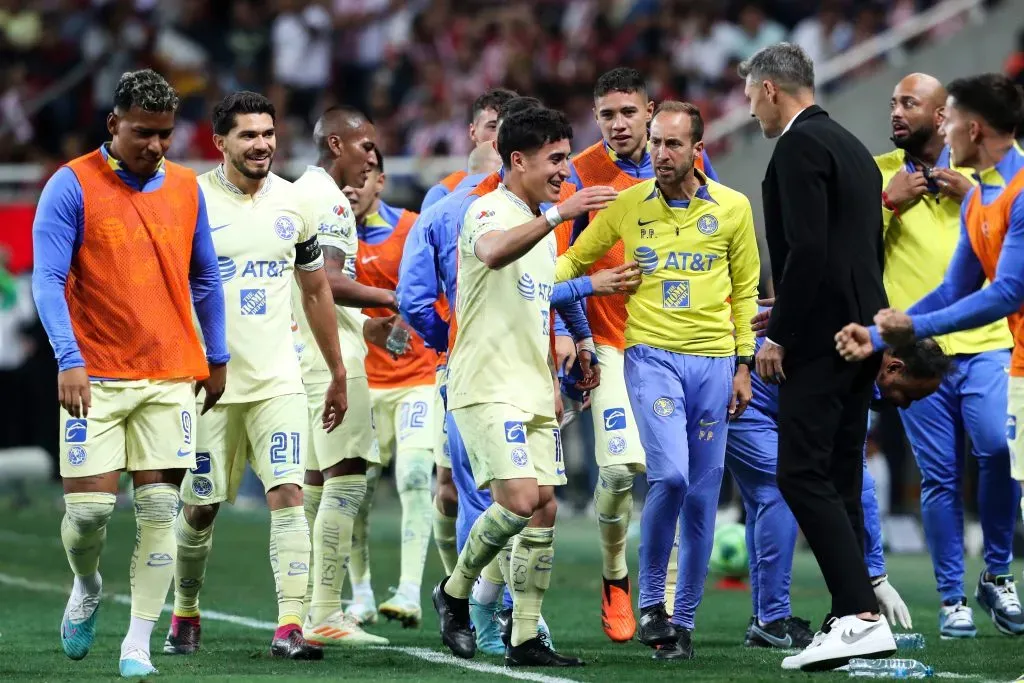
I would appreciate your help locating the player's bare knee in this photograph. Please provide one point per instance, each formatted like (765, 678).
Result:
(100, 483)
(547, 507)
(200, 517)
(519, 501)
(87, 513)
(284, 496)
(615, 478)
(345, 468)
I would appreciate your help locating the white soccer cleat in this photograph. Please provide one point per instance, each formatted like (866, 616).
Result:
(340, 629)
(845, 639)
(403, 608)
(363, 610)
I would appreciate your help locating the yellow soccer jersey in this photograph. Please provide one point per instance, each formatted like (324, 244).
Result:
(336, 227)
(501, 353)
(919, 244)
(698, 261)
(256, 240)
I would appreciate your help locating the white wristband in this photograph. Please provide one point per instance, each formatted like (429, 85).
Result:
(588, 345)
(552, 216)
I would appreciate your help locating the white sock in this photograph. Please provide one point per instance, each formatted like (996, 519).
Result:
(541, 624)
(88, 585)
(139, 632)
(409, 590)
(485, 592)
(362, 592)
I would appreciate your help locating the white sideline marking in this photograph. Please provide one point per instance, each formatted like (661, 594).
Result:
(419, 652)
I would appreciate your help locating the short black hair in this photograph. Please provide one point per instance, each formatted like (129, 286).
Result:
(517, 105)
(380, 159)
(241, 102)
(924, 359)
(993, 97)
(691, 110)
(145, 89)
(529, 130)
(620, 79)
(494, 99)
(330, 122)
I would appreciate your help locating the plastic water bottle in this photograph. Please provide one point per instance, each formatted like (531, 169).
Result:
(909, 641)
(398, 339)
(889, 668)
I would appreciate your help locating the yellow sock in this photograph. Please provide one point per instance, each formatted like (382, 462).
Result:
(444, 539)
(488, 536)
(155, 547)
(492, 572)
(532, 556)
(289, 558)
(613, 501)
(672, 574)
(190, 566)
(310, 504)
(359, 563)
(504, 561)
(332, 542)
(83, 530)
(412, 476)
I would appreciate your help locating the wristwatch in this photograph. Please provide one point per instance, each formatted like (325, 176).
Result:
(745, 360)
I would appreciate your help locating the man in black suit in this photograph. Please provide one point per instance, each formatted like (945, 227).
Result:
(823, 224)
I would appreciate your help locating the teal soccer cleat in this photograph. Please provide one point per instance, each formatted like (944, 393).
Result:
(78, 627)
(136, 664)
(488, 629)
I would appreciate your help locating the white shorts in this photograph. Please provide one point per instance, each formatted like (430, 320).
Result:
(352, 439)
(442, 457)
(616, 439)
(133, 426)
(504, 442)
(1014, 425)
(272, 435)
(403, 417)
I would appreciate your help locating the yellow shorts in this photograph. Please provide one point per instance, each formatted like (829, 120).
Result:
(1014, 425)
(272, 435)
(616, 439)
(504, 442)
(403, 417)
(442, 457)
(352, 439)
(133, 426)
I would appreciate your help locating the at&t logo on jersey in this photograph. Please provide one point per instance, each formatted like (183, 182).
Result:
(527, 288)
(227, 268)
(284, 227)
(515, 432)
(647, 259)
(675, 294)
(254, 301)
(265, 269)
(75, 430)
(614, 419)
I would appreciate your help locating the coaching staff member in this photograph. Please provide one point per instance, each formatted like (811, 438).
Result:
(824, 233)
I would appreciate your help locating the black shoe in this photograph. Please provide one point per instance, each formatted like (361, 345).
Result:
(681, 649)
(535, 652)
(748, 637)
(453, 618)
(788, 633)
(655, 628)
(294, 646)
(504, 619)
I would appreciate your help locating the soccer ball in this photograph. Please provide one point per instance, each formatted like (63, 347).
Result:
(729, 554)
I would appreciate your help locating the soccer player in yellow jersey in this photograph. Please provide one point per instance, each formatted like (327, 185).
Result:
(501, 379)
(336, 465)
(264, 233)
(921, 208)
(687, 367)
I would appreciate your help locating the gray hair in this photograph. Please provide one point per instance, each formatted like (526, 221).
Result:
(145, 89)
(786, 64)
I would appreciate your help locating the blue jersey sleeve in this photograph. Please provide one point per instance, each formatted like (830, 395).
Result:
(1003, 296)
(433, 196)
(575, 320)
(709, 170)
(418, 287)
(560, 329)
(56, 235)
(576, 289)
(207, 291)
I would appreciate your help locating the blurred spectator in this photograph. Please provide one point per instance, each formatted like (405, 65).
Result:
(301, 44)
(824, 34)
(1014, 66)
(756, 31)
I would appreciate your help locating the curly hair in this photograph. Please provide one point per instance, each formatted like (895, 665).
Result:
(145, 89)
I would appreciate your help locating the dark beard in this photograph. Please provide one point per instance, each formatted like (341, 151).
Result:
(915, 142)
(252, 175)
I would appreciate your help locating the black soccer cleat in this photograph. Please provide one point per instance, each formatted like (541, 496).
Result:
(655, 628)
(294, 646)
(535, 652)
(748, 637)
(504, 619)
(453, 619)
(681, 649)
(788, 633)
(183, 636)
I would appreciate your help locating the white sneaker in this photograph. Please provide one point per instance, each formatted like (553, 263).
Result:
(363, 609)
(845, 639)
(340, 629)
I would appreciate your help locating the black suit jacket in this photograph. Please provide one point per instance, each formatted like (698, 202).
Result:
(823, 223)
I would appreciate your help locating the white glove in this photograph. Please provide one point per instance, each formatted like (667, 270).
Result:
(891, 603)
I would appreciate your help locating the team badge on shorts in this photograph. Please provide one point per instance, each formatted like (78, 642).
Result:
(707, 224)
(1011, 427)
(515, 432)
(519, 458)
(202, 486)
(614, 419)
(616, 445)
(76, 455)
(284, 228)
(664, 407)
(75, 430)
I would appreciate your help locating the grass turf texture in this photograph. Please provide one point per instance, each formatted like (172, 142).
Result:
(34, 578)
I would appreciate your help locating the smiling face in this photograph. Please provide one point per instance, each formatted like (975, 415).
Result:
(543, 171)
(622, 118)
(250, 144)
(140, 138)
(673, 151)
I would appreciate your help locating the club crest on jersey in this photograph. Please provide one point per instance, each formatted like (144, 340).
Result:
(647, 259)
(675, 294)
(284, 227)
(1011, 427)
(527, 288)
(76, 455)
(75, 430)
(227, 268)
(707, 224)
(519, 458)
(515, 432)
(614, 418)
(664, 407)
(616, 445)
(254, 301)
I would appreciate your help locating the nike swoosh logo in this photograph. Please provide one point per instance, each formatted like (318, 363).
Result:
(559, 472)
(850, 636)
(367, 259)
(219, 227)
(643, 223)
(283, 471)
(182, 453)
(782, 643)
(708, 423)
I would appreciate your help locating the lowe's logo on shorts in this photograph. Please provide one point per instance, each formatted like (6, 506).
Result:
(254, 301)
(76, 455)
(675, 294)
(227, 268)
(614, 418)
(265, 269)
(1011, 427)
(75, 430)
(647, 259)
(527, 288)
(202, 464)
(515, 432)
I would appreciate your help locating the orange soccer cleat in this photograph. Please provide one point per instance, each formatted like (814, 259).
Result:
(617, 618)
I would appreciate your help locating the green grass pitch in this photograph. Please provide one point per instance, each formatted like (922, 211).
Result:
(34, 579)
